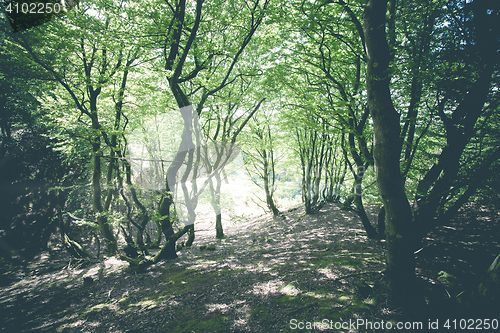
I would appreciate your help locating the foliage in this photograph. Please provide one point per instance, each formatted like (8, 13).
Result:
(89, 106)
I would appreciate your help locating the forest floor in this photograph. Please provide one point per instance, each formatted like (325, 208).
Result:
(268, 275)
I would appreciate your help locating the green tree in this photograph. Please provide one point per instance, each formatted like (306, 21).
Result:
(196, 59)
(442, 190)
(261, 156)
(329, 50)
(223, 123)
(88, 62)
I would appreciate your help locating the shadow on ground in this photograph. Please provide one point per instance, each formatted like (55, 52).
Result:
(267, 275)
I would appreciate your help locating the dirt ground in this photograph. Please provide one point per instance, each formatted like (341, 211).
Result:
(267, 275)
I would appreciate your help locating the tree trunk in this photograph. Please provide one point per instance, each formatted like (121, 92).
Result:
(168, 250)
(371, 232)
(102, 220)
(74, 248)
(158, 233)
(381, 222)
(219, 232)
(269, 196)
(400, 259)
(348, 202)
(144, 216)
(191, 236)
(271, 204)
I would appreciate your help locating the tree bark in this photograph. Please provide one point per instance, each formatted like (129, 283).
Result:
(190, 236)
(381, 222)
(168, 250)
(102, 220)
(269, 172)
(400, 259)
(219, 231)
(371, 232)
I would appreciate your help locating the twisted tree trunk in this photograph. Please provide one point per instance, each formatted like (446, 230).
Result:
(400, 259)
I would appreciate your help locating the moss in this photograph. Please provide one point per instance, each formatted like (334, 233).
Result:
(447, 279)
(334, 305)
(288, 299)
(260, 313)
(211, 324)
(344, 305)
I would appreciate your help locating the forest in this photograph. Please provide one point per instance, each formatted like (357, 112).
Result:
(249, 165)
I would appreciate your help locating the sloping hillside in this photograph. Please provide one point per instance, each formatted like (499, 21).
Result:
(267, 275)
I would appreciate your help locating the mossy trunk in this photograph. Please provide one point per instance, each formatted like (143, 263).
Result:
(400, 259)
(74, 248)
(144, 216)
(190, 236)
(489, 288)
(166, 252)
(168, 249)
